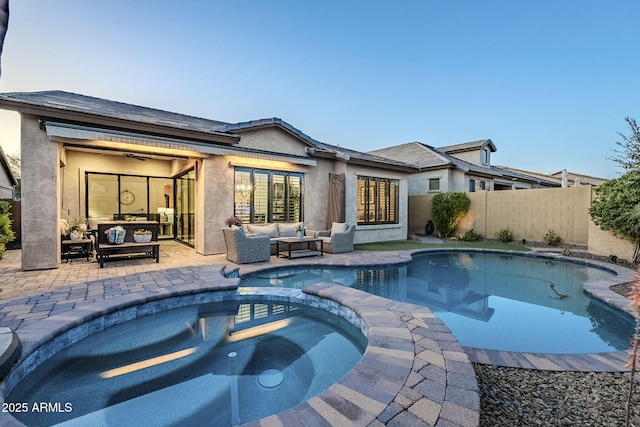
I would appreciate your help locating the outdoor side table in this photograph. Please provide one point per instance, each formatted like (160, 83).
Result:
(72, 248)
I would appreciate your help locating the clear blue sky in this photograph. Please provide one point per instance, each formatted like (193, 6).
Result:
(550, 82)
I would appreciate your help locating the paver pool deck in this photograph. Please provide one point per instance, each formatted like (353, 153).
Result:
(413, 371)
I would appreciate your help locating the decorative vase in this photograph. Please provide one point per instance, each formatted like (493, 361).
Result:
(300, 235)
(142, 238)
(75, 235)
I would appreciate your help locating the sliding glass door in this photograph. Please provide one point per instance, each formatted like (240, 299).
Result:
(185, 207)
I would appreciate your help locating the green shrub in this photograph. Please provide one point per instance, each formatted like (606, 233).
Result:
(505, 235)
(551, 238)
(447, 209)
(6, 233)
(470, 235)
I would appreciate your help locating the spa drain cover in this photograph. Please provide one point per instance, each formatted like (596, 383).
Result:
(271, 378)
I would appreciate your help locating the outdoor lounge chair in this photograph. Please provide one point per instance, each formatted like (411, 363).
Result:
(339, 239)
(243, 249)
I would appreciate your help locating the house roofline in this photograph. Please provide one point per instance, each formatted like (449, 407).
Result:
(271, 122)
(78, 117)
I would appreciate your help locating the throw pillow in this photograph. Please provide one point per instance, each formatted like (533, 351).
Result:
(288, 229)
(338, 227)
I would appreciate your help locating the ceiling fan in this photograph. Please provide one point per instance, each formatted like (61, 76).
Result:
(135, 156)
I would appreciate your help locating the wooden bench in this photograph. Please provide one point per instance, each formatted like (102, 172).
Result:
(106, 251)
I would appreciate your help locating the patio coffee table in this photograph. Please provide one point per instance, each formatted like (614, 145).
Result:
(81, 248)
(289, 247)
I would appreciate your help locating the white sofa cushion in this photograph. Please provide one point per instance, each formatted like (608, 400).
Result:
(63, 225)
(270, 230)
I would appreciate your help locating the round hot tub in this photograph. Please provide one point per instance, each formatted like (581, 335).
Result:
(217, 358)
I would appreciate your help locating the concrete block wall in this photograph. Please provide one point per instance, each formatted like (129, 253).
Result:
(530, 214)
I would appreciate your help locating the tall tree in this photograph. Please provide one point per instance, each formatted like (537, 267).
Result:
(4, 24)
(616, 206)
(629, 156)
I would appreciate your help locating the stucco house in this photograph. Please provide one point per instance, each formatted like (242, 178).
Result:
(8, 180)
(92, 158)
(462, 167)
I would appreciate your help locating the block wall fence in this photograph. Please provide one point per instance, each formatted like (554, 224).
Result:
(530, 214)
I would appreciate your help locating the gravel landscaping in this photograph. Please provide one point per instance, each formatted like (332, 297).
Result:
(523, 397)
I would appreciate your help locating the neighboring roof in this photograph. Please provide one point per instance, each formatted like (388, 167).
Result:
(353, 156)
(468, 146)
(557, 176)
(425, 157)
(74, 109)
(420, 155)
(576, 174)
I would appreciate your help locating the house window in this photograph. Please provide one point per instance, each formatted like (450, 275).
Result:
(377, 200)
(483, 185)
(268, 196)
(484, 156)
(434, 184)
(125, 197)
(472, 186)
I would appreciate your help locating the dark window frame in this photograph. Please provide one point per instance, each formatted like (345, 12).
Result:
(378, 200)
(293, 206)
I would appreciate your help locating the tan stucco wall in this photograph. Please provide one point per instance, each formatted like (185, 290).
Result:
(272, 139)
(469, 156)
(530, 214)
(605, 243)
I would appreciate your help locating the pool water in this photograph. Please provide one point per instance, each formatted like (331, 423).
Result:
(209, 364)
(489, 300)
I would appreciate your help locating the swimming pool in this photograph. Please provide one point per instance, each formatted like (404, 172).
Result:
(496, 301)
(214, 363)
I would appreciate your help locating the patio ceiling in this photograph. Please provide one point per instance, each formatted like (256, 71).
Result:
(125, 142)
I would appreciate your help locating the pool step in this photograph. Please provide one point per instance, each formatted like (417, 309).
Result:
(192, 401)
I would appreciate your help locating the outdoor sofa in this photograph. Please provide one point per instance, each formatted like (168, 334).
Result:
(275, 230)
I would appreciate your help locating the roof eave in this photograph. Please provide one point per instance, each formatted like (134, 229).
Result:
(333, 155)
(117, 123)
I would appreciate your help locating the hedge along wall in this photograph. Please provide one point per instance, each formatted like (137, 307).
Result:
(530, 214)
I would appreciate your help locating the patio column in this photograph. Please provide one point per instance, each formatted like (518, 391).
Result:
(214, 203)
(40, 195)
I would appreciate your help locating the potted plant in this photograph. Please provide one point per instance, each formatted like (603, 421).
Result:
(233, 220)
(300, 231)
(77, 229)
(142, 236)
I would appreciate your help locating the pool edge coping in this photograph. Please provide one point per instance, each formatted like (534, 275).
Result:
(380, 386)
